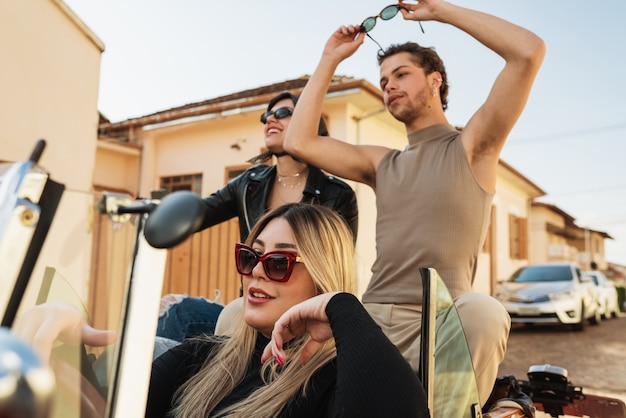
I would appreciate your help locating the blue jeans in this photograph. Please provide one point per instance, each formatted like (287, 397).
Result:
(189, 317)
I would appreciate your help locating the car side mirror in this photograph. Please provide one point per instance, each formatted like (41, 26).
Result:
(174, 219)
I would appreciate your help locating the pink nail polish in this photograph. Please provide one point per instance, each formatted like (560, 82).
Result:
(280, 361)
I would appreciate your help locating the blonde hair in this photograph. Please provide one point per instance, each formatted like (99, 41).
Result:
(325, 244)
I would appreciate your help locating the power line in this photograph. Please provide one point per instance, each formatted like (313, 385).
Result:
(610, 225)
(588, 191)
(567, 135)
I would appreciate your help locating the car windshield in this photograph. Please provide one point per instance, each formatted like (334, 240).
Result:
(90, 380)
(595, 278)
(102, 305)
(542, 274)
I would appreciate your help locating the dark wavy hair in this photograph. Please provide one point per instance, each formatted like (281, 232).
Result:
(425, 58)
(322, 129)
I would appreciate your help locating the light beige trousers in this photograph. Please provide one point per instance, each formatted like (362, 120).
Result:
(486, 325)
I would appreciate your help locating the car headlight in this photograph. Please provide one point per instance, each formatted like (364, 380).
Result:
(562, 295)
(507, 297)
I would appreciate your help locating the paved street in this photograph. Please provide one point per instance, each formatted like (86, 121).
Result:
(595, 358)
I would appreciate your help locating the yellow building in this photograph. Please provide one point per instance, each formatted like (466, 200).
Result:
(556, 237)
(49, 81)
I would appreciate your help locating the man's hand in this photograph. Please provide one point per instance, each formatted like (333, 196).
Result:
(421, 10)
(343, 43)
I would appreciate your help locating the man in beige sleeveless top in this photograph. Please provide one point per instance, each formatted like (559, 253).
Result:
(434, 197)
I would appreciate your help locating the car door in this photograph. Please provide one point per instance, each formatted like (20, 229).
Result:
(588, 292)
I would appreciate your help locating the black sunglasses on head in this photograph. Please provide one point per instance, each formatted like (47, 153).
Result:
(278, 265)
(388, 13)
(280, 113)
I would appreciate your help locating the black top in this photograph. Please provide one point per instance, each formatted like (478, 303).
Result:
(368, 378)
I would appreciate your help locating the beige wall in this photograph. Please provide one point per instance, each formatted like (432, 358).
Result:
(538, 251)
(549, 246)
(49, 89)
(596, 247)
(199, 147)
(512, 197)
(117, 168)
(556, 237)
(510, 201)
(590, 247)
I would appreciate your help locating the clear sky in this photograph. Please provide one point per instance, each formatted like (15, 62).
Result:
(570, 141)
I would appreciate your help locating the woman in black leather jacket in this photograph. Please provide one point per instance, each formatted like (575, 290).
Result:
(263, 187)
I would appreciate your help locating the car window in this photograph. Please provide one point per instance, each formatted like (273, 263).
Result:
(579, 274)
(542, 274)
(596, 278)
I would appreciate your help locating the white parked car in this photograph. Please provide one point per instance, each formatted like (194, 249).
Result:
(558, 293)
(607, 294)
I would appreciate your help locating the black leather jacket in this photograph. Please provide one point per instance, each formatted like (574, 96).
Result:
(245, 197)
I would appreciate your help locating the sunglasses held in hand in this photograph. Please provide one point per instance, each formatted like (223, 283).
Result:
(388, 13)
(278, 265)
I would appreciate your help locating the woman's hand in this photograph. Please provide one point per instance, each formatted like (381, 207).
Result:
(305, 317)
(42, 325)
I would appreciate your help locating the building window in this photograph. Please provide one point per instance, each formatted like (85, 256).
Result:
(233, 171)
(191, 182)
(518, 238)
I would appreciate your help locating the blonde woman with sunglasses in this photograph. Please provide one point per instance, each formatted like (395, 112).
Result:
(247, 197)
(304, 346)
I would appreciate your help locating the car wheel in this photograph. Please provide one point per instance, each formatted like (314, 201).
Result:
(580, 325)
(596, 318)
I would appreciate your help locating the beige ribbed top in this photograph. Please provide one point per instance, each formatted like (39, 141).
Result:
(431, 213)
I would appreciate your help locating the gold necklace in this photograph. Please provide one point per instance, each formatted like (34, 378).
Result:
(290, 195)
(280, 178)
